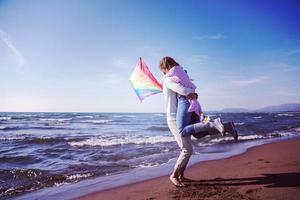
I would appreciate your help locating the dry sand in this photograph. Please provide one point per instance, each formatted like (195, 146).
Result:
(270, 171)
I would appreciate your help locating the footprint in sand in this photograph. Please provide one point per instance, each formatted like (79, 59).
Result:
(252, 190)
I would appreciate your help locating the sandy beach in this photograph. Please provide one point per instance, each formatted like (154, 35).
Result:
(270, 171)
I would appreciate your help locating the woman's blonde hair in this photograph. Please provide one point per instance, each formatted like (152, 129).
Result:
(166, 63)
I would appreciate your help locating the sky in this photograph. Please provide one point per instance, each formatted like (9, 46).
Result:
(77, 55)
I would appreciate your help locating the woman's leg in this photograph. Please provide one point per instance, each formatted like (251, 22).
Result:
(183, 116)
(186, 121)
(201, 129)
(185, 145)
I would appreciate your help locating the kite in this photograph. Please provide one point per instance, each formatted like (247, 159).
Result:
(143, 82)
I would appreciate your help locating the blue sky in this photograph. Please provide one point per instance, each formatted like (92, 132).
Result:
(77, 55)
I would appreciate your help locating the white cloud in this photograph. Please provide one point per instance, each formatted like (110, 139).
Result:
(217, 36)
(18, 55)
(198, 59)
(121, 63)
(249, 82)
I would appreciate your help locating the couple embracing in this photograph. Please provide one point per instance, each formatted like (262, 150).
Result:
(184, 115)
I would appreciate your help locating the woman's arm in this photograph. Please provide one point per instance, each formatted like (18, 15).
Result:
(176, 87)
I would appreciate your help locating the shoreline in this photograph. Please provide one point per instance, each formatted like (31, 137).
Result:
(88, 187)
(270, 170)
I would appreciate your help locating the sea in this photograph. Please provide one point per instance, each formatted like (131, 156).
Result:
(43, 150)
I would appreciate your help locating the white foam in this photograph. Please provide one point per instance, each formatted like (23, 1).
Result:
(28, 115)
(290, 132)
(146, 165)
(5, 118)
(121, 141)
(230, 138)
(78, 176)
(258, 117)
(124, 116)
(239, 123)
(60, 184)
(85, 116)
(98, 121)
(297, 129)
(284, 134)
(159, 115)
(56, 119)
(285, 115)
(8, 138)
(251, 137)
(205, 144)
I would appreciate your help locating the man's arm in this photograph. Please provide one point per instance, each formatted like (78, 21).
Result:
(176, 87)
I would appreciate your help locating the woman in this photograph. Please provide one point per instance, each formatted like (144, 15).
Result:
(171, 91)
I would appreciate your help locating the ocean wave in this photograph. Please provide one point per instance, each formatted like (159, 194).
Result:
(85, 116)
(159, 115)
(258, 117)
(121, 116)
(57, 184)
(18, 159)
(5, 118)
(146, 165)
(274, 134)
(103, 121)
(285, 115)
(78, 176)
(8, 128)
(241, 138)
(229, 139)
(56, 119)
(21, 173)
(29, 115)
(8, 138)
(297, 129)
(37, 140)
(158, 128)
(239, 123)
(3, 127)
(47, 127)
(25, 180)
(44, 140)
(122, 141)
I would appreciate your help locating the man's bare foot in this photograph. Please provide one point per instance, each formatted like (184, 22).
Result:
(176, 181)
(183, 179)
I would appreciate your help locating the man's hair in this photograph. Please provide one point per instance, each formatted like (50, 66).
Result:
(166, 63)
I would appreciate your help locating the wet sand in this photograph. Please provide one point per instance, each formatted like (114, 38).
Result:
(270, 171)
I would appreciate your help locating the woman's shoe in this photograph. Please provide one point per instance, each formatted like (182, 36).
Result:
(230, 128)
(219, 126)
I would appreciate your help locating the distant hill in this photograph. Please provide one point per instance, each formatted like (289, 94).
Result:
(234, 110)
(292, 107)
(281, 108)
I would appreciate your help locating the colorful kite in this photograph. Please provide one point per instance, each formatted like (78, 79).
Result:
(143, 82)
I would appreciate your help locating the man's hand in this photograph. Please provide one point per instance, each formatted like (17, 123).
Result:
(192, 96)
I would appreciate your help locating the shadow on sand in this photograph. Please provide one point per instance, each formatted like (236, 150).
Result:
(268, 180)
